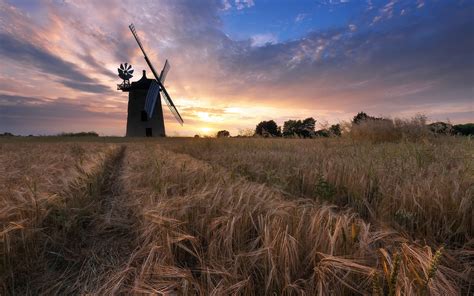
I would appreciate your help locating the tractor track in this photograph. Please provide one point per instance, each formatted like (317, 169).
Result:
(95, 239)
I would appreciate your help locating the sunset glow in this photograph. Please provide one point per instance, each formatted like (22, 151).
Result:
(235, 63)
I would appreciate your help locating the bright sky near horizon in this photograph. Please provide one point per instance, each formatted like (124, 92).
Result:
(235, 62)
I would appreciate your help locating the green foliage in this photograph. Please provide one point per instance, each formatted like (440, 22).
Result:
(299, 128)
(441, 128)
(464, 129)
(268, 128)
(335, 130)
(322, 133)
(363, 117)
(324, 189)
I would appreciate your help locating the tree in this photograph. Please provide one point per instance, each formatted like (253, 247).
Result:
(441, 128)
(299, 128)
(322, 133)
(464, 129)
(362, 117)
(268, 128)
(291, 128)
(307, 127)
(223, 134)
(335, 130)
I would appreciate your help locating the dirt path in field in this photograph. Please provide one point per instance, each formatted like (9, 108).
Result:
(98, 242)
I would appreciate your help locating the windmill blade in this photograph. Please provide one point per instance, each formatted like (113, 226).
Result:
(121, 66)
(164, 72)
(170, 104)
(151, 98)
(134, 32)
(167, 98)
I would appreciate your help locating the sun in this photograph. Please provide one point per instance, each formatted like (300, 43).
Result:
(206, 130)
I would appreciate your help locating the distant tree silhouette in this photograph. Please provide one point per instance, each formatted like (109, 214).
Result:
(307, 127)
(335, 130)
(441, 128)
(322, 133)
(362, 116)
(464, 129)
(299, 128)
(80, 134)
(291, 127)
(196, 136)
(223, 134)
(268, 128)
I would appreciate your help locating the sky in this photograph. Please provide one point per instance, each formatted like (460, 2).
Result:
(235, 63)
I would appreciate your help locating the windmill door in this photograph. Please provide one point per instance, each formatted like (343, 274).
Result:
(148, 132)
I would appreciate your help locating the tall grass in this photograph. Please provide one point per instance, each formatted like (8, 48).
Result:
(422, 188)
(388, 130)
(34, 178)
(256, 217)
(206, 231)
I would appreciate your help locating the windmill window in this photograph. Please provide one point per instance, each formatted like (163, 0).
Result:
(144, 116)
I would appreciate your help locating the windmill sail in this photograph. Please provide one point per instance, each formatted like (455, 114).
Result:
(151, 98)
(171, 106)
(164, 72)
(167, 98)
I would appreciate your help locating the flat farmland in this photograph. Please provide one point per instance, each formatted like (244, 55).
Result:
(238, 216)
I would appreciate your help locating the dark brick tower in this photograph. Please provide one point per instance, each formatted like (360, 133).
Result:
(138, 123)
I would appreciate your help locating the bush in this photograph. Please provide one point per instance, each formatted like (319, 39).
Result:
(387, 130)
(440, 127)
(268, 129)
(335, 130)
(298, 128)
(464, 129)
(80, 134)
(223, 134)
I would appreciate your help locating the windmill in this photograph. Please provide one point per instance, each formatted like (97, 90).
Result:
(145, 113)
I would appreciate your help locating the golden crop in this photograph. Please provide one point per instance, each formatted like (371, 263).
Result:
(236, 216)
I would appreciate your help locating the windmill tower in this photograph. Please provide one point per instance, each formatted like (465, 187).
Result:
(145, 114)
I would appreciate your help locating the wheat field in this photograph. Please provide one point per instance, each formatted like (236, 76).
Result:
(254, 216)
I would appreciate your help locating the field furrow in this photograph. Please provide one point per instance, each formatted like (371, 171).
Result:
(38, 252)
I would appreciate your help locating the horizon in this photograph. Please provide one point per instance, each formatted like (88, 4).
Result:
(235, 63)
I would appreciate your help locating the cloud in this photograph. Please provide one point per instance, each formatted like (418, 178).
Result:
(263, 39)
(241, 4)
(38, 115)
(398, 64)
(30, 55)
(300, 17)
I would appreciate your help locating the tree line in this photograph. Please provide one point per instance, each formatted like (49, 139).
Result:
(306, 128)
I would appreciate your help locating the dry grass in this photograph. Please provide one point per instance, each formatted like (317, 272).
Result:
(34, 178)
(256, 217)
(424, 188)
(388, 130)
(207, 231)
